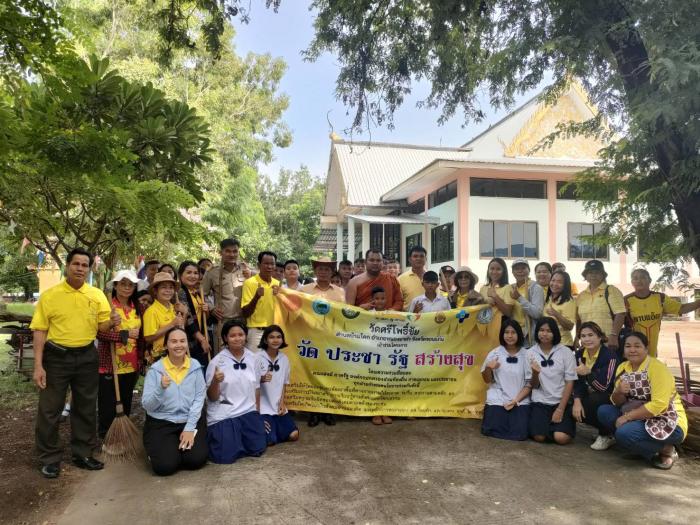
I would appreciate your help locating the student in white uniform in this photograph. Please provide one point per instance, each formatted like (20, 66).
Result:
(553, 375)
(431, 300)
(507, 371)
(235, 428)
(273, 369)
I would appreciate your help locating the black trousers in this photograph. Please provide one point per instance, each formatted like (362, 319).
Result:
(107, 400)
(590, 407)
(77, 369)
(161, 439)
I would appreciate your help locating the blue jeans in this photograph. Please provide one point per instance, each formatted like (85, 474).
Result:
(633, 436)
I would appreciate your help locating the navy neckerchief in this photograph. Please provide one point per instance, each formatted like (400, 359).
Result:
(273, 366)
(547, 361)
(239, 364)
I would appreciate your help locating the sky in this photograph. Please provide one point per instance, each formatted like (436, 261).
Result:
(310, 87)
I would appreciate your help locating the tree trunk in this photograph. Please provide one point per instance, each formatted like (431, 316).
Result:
(632, 61)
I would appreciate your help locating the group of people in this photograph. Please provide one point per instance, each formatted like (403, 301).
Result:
(204, 335)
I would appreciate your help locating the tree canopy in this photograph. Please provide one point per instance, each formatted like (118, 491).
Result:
(638, 60)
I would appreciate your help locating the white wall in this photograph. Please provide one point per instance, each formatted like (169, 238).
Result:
(446, 212)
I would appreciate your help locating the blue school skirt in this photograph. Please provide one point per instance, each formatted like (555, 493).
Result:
(506, 424)
(280, 428)
(541, 421)
(236, 437)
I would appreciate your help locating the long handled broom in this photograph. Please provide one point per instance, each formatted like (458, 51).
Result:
(123, 439)
(204, 326)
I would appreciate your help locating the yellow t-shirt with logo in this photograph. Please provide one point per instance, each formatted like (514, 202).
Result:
(411, 287)
(646, 314)
(154, 318)
(71, 317)
(264, 314)
(568, 311)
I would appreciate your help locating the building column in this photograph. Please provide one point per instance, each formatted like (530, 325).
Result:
(339, 241)
(351, 239)
(552, 220)
(365, 238)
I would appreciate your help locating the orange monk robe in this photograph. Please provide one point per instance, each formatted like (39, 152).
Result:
(392, 290)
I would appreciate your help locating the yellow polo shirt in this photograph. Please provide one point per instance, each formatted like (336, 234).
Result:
(264, 314)
(71, 317)
(176, 373)
(646, 315)
(592, 306)
(663, 386)
(568, 311)
(154, 318)
(590, 361)
(411, 287)
(332, 293)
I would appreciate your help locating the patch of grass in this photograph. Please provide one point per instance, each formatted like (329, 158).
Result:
(16, 390)
(21, 308)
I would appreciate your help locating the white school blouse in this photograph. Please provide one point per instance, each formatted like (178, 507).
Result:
(271, 392)
(509, 378)
(237, 390)
(553, 378)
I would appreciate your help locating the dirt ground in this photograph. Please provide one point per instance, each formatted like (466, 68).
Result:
(355, 473)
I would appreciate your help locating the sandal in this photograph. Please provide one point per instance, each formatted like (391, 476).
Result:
(377, 420)
(386, 420)
(658, 460)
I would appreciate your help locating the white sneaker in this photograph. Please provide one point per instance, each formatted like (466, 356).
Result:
(603, 443)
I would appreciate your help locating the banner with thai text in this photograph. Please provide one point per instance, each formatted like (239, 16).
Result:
(346, 360)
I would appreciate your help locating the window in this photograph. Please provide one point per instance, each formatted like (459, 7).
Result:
(580, 242)
(442, 243)
(387, 238)
(416, 207)
(444, 194)
(566, 194)
(508, 239)
(518, 189)
(413, 240)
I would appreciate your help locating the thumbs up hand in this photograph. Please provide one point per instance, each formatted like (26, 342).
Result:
(165, 381)
(218, 375)
(114, 318)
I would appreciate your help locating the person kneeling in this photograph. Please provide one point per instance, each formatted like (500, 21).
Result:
(273, 368)
(174, 434)
(647, 414)
(233, 388)
(507, 372)
(553, 374)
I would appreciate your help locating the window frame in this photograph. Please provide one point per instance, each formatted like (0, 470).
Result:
(568, 243)
(510, 238)
(432, 242)
(541, 182)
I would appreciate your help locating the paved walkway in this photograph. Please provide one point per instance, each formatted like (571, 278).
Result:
(423, 471)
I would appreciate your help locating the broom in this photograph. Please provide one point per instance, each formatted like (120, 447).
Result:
(123, 439)
(204, 326)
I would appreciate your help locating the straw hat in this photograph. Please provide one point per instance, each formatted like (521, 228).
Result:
(323, 261)
(125, 274)
(160, 278)
(465, 269)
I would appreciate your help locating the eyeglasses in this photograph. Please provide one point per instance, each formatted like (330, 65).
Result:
(241, 365)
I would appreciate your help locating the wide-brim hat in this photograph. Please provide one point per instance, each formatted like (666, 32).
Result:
(324, 261)
(465, 269)
(594, 266)
(125, 274)
(160, 278)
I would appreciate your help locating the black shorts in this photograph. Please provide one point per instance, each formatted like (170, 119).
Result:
(541, 421)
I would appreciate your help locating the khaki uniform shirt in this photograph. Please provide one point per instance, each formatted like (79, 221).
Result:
(231, 288)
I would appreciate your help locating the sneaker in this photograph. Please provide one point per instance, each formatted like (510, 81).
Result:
(603, 443)
(50, 471)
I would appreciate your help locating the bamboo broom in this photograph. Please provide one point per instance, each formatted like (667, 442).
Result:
(204, 327)
(123, 440)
